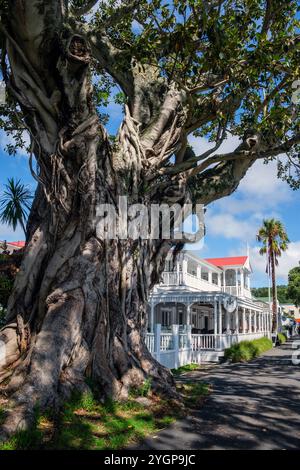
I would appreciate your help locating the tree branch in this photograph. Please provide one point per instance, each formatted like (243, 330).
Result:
(109, 57)
(80, 11)
(240, 153)
(218, 182)
(268, 17)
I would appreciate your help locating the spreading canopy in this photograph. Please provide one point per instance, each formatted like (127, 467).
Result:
(208, 68)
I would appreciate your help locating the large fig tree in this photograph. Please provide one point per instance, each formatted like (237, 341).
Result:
(185, 67)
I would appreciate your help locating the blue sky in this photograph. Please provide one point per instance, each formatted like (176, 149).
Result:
(231, 223)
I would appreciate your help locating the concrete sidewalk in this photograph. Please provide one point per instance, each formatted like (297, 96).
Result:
(253, 406)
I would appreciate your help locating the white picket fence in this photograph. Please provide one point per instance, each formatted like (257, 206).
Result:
(178, 348)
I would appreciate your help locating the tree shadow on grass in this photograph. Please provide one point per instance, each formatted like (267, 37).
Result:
(85, 423)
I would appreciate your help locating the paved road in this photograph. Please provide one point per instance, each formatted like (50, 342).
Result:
(252, 406)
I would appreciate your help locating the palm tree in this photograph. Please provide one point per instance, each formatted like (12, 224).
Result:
(15, 204)
(274, 239)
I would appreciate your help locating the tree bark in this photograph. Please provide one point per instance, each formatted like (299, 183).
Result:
(78, 307)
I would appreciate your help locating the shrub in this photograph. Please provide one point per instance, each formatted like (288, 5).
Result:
(247, 350)
(281, 338)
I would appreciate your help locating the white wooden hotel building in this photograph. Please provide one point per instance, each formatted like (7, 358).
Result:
(201, 307)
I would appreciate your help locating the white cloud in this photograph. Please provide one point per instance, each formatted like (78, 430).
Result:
(260, 184)
(228, 226)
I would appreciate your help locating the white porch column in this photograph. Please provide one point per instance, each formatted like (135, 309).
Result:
(242, 282)
(244, 320)
(173, 318)
(178, 280)
(188, 314)
(255, 321)
(157, 334)
(227, 322)
(210, 277)
(259, 322)
(220, 317)
(199, 271)
(189, 343)
(215, 316)
(175, 334)
(236, 315)
(152, 316)
(236, 281)
(266, 321)
(184, 269)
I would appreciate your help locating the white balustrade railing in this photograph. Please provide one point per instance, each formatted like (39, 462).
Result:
(166, 341)
(150, 342)
(177, 348)
(175, 278)
(203, 342)
(183, 341)
(232, 290)
(171, 278)
(237, 291)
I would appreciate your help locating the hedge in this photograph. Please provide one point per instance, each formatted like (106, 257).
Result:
(247, 350)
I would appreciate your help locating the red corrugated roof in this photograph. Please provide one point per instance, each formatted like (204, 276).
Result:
(18, 244)
(229, 261)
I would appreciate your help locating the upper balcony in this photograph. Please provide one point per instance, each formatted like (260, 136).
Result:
(193, 273)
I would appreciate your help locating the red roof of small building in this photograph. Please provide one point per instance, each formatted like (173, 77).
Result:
(19, 244)
(229, 261)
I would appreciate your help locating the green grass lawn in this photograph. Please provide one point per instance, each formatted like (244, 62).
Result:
(85, 423)
(183, 369)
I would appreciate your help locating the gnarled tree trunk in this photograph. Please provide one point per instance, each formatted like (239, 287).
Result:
(78, 307)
